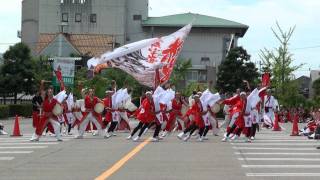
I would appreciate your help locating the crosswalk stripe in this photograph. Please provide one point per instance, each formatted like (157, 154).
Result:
(23, 147)
(271, 148)
(283, 140)
(287, 166)
(28, 143)
(284, 174)
(282, 137)
(279, 159)
(275, 144)
(6, 158)
(16, 152)
(277, 153)
(28, 140)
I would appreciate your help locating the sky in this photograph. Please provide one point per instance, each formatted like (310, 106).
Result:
(259, 15)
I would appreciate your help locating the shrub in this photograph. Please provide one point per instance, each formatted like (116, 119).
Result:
(4, 111)
(20, 110)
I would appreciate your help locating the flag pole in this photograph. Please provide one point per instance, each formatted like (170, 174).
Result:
(156, 79)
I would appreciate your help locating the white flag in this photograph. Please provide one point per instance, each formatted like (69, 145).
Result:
(141, 59)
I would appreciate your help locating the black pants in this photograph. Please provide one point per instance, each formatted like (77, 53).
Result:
(157, 130)
(191, 128)
(206, 130)
(69, 128)
(113, 125)
(254, 129)
(238, 132)
(141, 126)
(201, 131)
(151, 124)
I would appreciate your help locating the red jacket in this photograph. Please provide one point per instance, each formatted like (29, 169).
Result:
(196, 110)
(89, 105)
(146, 111)
(48, 107)
(232, 102)
(108, 104)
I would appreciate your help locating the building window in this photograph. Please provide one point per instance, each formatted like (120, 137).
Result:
(93, 18)
(137, 17)
(202, 76)
(205, 60)
(192, 76)
(65, 17)
(78, 17)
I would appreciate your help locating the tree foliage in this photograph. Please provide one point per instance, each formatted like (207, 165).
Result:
(279, 63)
(236, 68)
(43, 69)
(101, 82)
(17, 73)
(180, 71)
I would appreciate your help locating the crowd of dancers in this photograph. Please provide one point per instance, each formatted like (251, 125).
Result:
(164, 110)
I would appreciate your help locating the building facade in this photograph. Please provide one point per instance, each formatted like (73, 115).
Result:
(314, 75)
(63, 27)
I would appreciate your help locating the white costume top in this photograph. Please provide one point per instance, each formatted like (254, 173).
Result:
(269, 102)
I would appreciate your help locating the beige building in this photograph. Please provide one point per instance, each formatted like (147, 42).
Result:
(90, 27)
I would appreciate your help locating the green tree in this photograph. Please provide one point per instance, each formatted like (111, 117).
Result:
(180, 71)
(17, 71)
(279, 61)
(42, 69)
(101, 82)
(236, 68)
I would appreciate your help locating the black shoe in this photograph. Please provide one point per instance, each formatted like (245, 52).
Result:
(318, 147)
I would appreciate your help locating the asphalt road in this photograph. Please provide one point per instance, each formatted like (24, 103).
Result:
(273, 155)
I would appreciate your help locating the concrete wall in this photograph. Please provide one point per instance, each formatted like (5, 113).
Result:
(134, 30)
(45, 16)
(49, 16)
(314, 75)
(30, 23)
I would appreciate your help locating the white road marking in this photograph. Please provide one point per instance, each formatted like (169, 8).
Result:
(23, 147)
(279, 159)
(281, 149)
(284, 174)
(41, 138)
(283, 140)
(276, 144)
(277, 153)
(16, 152)
(282, 137)
(28, 140)
(6, 158)
(27, 143)
(288, 166)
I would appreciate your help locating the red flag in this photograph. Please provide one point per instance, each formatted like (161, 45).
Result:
(265, 79)
(59, 78)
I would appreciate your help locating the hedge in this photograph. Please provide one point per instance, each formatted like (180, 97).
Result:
(24, 110)
(4, 111)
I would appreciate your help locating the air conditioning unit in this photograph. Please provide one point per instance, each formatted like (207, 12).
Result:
(19, 34)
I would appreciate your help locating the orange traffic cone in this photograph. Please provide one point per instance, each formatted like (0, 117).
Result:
(276, 126)
(295, 128)
(16, 128)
